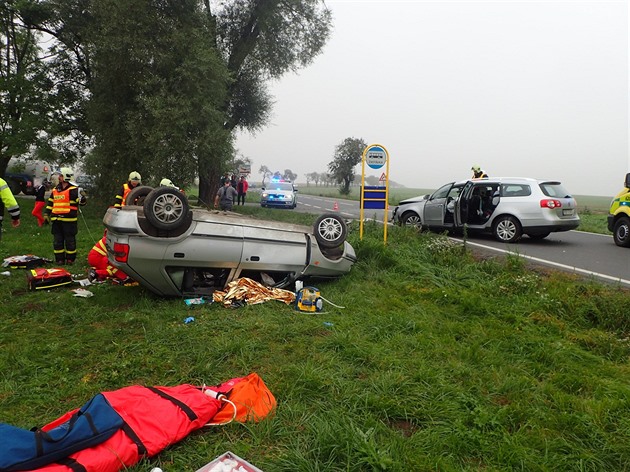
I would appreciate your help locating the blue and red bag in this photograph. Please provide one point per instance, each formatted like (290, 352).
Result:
(151, 418)
(141, 423)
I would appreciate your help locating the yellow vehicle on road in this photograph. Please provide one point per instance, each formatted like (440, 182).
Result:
(619, 216)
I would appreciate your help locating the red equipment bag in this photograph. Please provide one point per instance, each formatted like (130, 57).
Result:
(41, 278)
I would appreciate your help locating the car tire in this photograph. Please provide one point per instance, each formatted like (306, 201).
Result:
(411, 219)
(166, 208)
(330, 230)
(507, 229)
(621, 232)
(137, 195)
(538, 236)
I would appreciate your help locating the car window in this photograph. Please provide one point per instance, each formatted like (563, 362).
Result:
(280, 186)
(454, 193)
(442, 192)
(554, 189)
(515, 190)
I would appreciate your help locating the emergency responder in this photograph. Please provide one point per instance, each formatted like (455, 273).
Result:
(62, 211)
(168, 183)
(101, 268)
(68, 175)
(478, 173)
(8, 202)
(132, 182)
(40, 204)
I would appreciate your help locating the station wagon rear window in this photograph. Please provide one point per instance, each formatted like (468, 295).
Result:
(554, 189)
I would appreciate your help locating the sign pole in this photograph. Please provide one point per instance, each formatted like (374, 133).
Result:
(375, 197)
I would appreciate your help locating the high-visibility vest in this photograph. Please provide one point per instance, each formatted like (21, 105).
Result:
(126, 189)
(63, 204)
(8, 200)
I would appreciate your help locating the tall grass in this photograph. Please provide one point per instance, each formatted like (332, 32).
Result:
(440, 360)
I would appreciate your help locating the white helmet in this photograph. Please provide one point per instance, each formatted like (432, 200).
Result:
(68, 173)
(135, 176)
(166, 183)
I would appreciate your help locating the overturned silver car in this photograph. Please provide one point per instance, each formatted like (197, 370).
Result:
(174, 250)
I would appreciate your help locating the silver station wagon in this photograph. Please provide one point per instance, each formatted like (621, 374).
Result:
(506, 207)
(176, 251)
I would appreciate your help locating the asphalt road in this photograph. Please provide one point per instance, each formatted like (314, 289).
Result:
(586, 254)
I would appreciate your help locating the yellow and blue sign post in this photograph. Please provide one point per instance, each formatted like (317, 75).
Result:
(375, 197)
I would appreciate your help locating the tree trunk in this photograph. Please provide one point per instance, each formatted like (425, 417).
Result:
(209, 176)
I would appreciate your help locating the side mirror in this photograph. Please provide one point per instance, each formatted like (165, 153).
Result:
(295, 189)
(627, 180)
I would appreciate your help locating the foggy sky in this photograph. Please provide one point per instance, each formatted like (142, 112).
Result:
(533, 89)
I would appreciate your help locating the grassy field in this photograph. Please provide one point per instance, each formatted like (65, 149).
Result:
(439, 361)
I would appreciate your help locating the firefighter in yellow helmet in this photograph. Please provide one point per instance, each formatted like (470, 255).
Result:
(62, 211)
(68, 176)
(168, 183)
(8, 202)
(132, 182)
(478, 173)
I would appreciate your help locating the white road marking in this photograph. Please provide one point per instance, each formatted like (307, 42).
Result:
(551, 263)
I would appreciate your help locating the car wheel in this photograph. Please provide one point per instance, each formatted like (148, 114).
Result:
(538, 236)
(166, 208)
(507, 229)
(621, 232)
(411, 219)
(330, 230)
(137, 195)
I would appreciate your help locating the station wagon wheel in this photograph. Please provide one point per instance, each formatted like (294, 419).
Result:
(330, 230)
(166, 208)
(621, 232)
(137, 195)
(411, 219)
(507, 229)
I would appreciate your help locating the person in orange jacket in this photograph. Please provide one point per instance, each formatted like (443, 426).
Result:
(133, 181)
(101, 269)
(62, 211)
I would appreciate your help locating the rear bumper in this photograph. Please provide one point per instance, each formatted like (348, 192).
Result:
(556, 227)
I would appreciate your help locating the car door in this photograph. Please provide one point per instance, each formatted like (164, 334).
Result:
(435, 208)
(462, 204)
(273, 250)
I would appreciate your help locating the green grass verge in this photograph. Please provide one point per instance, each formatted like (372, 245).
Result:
(440, 360)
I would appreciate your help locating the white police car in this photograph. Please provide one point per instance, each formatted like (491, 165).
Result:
(279, 194)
